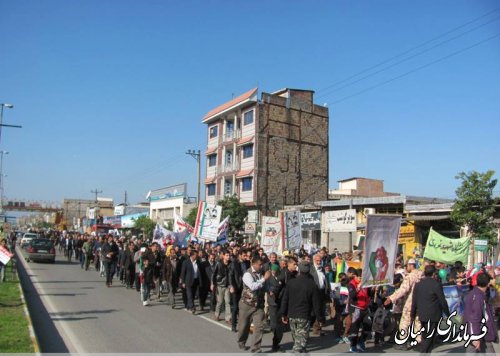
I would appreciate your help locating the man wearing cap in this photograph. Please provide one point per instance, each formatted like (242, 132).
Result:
(300, 300)
(406, 292)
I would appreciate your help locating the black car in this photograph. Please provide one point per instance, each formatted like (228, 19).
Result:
(41, 250)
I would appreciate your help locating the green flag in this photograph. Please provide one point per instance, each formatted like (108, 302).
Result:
(443, 249)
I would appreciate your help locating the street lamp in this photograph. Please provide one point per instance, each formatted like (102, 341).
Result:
(196, 155)
(1, 177)
(3, 105)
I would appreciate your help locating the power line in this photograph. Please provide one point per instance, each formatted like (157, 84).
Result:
(417, 69)
(407, 58)
(408, 51)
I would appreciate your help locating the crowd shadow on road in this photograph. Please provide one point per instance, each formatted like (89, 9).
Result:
(62, 294)
(59, 282)
(49, 339)
(103, 311)
(74, 318)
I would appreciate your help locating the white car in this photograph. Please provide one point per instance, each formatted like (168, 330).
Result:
(27, 237)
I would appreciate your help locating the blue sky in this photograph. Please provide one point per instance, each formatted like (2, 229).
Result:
(111, 93)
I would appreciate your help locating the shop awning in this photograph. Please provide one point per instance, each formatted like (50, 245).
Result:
(428, 217)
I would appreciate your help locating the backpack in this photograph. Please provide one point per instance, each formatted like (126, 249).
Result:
(381, 320)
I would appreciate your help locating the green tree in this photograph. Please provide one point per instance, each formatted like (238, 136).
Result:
(236, 211)
(44, 225)
(191, 218)
(475, 204)
(144, 223)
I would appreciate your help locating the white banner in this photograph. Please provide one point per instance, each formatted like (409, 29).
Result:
(5, 255)
(381, 247)
(272, 235)
(207, 221)
(119, 210)
(253, 216)
(293, 233)
(91, 213)
(340, 220)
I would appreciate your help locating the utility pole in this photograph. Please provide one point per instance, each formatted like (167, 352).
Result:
(1, 178)
(96, 192)
(196, 155)
(350, 232)
(125, 205)
(79, 213)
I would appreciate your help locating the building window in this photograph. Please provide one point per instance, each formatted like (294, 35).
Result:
(246, 184)
(229, 158)
(248, 151)
(248, 117)
(213, 131)
(212, 160)
(211, 189)
(228, 187)
(229, 129)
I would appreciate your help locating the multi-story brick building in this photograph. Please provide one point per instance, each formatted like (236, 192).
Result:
(270, 152)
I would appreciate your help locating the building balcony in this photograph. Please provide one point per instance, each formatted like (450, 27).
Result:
(214, 199)
(228, 168)
(231, 136)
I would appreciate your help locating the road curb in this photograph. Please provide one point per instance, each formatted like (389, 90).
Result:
(34, 339)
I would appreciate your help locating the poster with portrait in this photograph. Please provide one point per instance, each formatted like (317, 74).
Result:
(272, 235)
(381, 247)
(455, 298)
(293, 232)
(207, 221)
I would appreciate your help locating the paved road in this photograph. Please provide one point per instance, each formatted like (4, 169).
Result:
(73, 311)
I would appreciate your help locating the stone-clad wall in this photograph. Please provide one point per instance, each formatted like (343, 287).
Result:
(292, 155)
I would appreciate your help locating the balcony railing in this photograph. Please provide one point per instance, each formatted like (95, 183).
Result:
(228, 168)
(231, 136)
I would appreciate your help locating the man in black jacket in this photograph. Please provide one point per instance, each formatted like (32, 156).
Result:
(220, 285)
(205, 278)
(109, 251)
(183, 256)
(157, 263)
(299, 301)
(209, 271)
(190, 279)
(323, 287)
(236, 285)
(129, 264)
(289, 272)
(429, 304)
(274, 286)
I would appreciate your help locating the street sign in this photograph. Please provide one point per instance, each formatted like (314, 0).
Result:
(250, 228)
(481, 245)
(340, 220)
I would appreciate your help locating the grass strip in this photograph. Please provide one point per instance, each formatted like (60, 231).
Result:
(14, 331)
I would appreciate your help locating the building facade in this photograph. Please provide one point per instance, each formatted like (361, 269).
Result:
(358, 187)
(165, 202)
(270, 152)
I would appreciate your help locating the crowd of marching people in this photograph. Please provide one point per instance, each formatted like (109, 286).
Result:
(298, 291)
